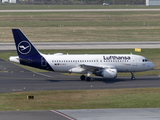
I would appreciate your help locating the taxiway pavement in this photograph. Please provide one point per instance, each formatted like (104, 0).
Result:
(80, 10)
(34, 115)
(115, 114)
(86, 45)
(90, 114)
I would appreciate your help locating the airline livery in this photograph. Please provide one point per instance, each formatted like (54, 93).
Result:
(104, 65)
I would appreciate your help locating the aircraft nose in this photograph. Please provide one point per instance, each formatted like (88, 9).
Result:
(152, 65)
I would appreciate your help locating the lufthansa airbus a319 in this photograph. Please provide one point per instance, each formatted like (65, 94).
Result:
(104, 65)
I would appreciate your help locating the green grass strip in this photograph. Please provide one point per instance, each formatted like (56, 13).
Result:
(82, 99)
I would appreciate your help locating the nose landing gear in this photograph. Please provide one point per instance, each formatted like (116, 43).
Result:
(132, 76)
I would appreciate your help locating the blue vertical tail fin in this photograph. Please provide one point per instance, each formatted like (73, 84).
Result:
(24, 47)
(28, 54)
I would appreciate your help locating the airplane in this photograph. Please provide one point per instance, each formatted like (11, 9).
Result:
(104, 65)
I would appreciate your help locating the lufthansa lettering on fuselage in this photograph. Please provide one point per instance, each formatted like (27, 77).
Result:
(116, 57)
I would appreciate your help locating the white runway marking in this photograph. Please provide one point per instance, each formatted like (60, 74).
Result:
(42, 74)
(61, 114)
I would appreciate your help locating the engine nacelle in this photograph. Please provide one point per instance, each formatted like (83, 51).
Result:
(109, 73)
(106, 73)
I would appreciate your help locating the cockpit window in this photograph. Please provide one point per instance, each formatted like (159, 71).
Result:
(144, 60)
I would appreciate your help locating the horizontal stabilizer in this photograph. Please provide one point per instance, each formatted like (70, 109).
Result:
(14, 59)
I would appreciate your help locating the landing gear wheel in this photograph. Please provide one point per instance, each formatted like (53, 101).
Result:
(82, 77)
(88, 79)
(133, 78)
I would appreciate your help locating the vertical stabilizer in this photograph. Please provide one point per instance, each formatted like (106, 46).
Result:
(23, 45)
(28, 54)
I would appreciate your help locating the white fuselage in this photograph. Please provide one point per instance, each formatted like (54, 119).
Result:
(122, 62)
(104, 65)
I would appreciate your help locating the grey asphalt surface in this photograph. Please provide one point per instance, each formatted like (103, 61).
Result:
(86, 45)
(115, 114)
(79, 10)
(34, 115)
(90, 114)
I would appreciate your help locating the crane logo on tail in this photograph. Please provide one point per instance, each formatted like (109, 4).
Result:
(24, 47)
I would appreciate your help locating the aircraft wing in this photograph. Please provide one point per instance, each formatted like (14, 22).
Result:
(93, 67)
(90, 67)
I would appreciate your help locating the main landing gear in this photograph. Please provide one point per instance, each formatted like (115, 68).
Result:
(132, 76)
(83, 77)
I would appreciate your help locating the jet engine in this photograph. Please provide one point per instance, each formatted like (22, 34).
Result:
(106, 73)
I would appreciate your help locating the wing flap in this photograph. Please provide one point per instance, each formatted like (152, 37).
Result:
(90, 67)
(93, 67)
